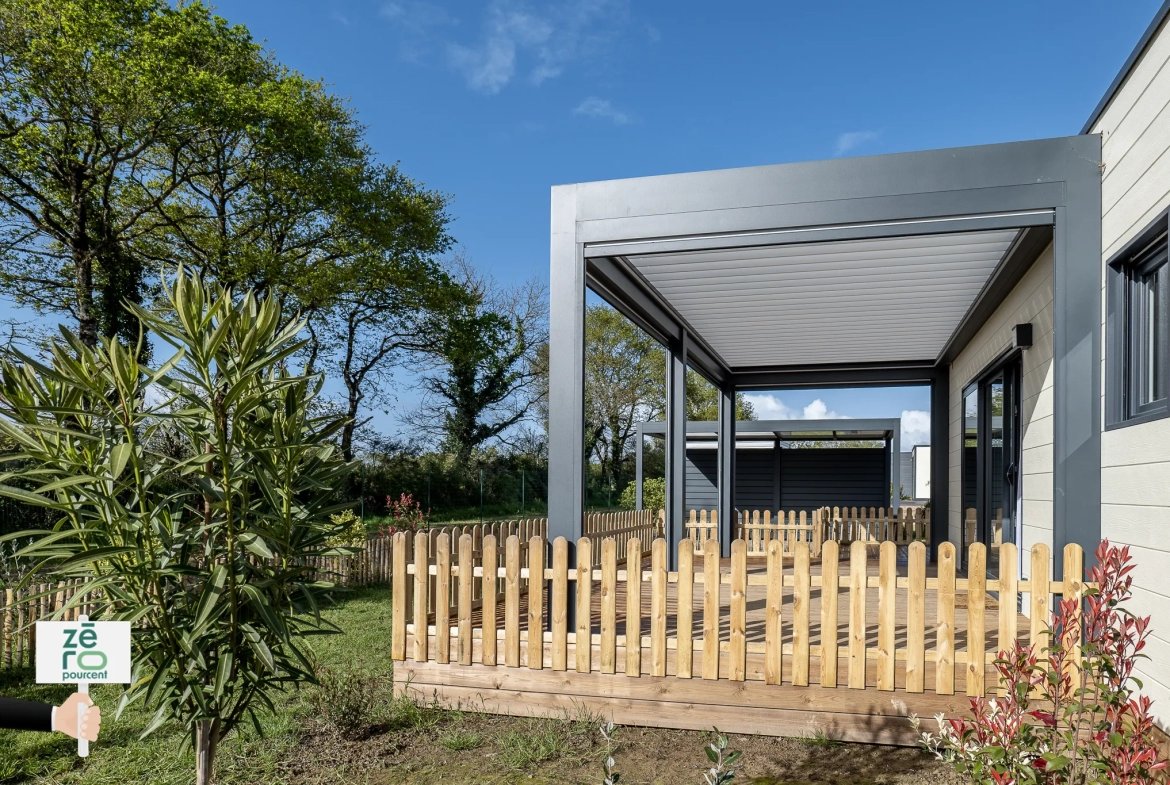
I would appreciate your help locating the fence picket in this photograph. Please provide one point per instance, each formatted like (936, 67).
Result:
(887, 605)
(916, 618)
(830, 555)
(466, 580)
(658, 608)
(711, 609)
(857, 590)
(536, 603)
(773, 607)
(443, 598)
(684, 612)
(737, 638)
(421, 600)
(944, 667)
(976, 621)
(1008, 599)
(1074, 569)
(801, 600)
(633, 607)
(1038, 601)
(583, 642)
(608, 606)
(512, 568)
(398, 617)
(490, 560)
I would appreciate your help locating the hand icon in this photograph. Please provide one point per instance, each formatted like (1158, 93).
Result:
(65, 717)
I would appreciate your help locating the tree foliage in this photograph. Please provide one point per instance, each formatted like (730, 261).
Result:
(100, 103)
(485, 375)
(190, 497)
(135, 134)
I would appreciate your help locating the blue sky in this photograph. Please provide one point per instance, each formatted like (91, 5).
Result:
(493, 102)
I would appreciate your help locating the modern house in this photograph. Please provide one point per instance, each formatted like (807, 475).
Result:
(799, 465)
(1041, 320)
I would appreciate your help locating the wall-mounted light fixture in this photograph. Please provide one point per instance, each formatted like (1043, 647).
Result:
(1023, 336)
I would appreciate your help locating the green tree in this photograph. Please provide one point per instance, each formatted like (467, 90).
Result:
(210, 569)
(485, 375)
(625, 378)
(703, 401)
(99, 102)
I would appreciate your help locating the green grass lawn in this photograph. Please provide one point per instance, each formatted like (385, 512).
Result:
(120, 757)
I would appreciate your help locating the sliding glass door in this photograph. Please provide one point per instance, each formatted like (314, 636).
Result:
(991, 462)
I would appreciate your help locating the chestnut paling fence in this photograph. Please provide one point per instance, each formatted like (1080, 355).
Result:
(21, 608)
(836, 622)
(843, 524)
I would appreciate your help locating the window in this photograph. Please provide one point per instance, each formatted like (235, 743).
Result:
(1138, 349)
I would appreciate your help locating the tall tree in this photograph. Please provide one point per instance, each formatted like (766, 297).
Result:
(485, 371)
(99, 102)
(625, 380)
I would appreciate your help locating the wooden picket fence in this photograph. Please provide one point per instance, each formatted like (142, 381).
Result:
(889, 631)
(758, 528)
(20, 609)
(374, 565)
(853, 524)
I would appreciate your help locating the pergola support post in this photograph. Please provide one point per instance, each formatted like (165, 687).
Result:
(566, 383)
(940, 453)
(676, 446)
(638, 449)
(726, 468)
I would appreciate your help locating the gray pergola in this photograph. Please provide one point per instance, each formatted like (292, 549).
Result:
(848, 272)
(885, 429)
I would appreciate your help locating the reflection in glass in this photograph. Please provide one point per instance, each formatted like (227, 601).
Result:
(970, 477)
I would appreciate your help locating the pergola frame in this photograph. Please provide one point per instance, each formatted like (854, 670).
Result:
(1050, 189)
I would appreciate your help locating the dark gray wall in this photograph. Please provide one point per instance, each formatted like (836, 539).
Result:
(755, 472)
(809, 478)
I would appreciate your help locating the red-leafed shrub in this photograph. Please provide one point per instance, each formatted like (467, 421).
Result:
(1066, 718)
(406, 515)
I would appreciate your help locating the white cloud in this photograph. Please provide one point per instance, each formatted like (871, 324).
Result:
(915, 428)
(596, 107)
(769, 407)
(535, 41)
(416, 22)
(852, 139)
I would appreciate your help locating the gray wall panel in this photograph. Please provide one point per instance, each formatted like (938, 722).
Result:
(812, 478)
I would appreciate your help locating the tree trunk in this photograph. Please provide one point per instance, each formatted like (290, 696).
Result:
(206, 740)
(82, 256)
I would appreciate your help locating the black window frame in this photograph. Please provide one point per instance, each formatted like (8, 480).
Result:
(1125, 317)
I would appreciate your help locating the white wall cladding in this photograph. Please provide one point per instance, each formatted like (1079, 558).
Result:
(1135, 460)
(1029, 301)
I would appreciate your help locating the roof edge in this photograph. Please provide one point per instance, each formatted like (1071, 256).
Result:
(1130, 62)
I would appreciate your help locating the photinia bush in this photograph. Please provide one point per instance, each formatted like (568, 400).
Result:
(1068, 715)
(406, 515)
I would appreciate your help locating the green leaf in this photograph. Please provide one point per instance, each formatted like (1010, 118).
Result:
(255, 544)
(119, 456)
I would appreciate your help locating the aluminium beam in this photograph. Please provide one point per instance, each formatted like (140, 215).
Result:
(834, 375)
(676, 447)
(823, 234)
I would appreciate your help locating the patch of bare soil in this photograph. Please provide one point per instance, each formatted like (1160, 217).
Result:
(468, 747)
